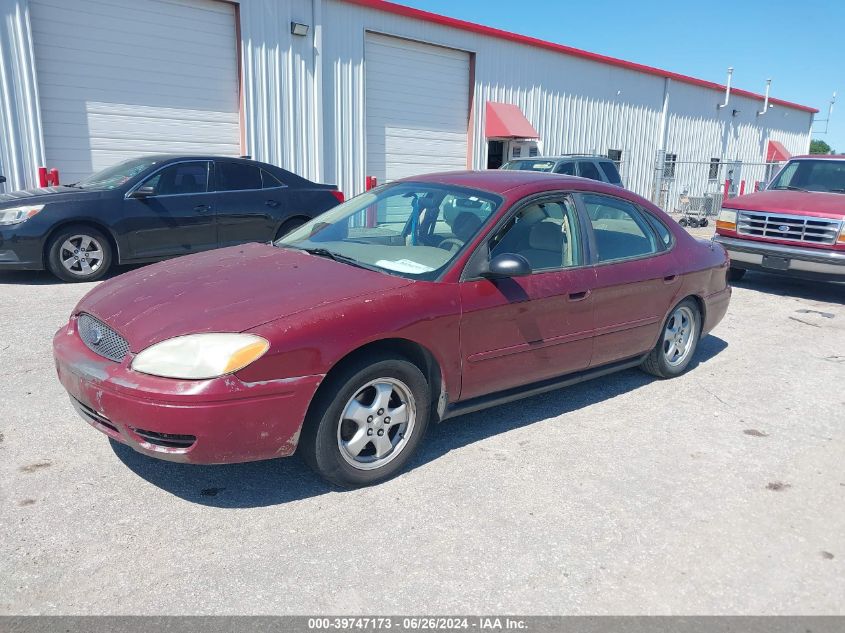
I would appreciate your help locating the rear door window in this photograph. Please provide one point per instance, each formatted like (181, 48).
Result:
(610, 172)
(588, 169)
(567, 168)
(620, 230)
(237, 176)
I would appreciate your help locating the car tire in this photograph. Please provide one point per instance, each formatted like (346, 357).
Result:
(735, 274)
(677, 343)
(349, 423)
(288, 226)
(683, 222)
(704, 222)
(78, 253)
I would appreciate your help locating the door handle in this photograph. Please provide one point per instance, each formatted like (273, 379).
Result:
(272, 203)
(202, 208)
(579, 296)
(668, 279)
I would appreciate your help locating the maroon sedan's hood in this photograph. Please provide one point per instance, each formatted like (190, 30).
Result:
(227, 290)
(820, 204)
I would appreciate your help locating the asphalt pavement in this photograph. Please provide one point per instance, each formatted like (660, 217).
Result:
(720, 492)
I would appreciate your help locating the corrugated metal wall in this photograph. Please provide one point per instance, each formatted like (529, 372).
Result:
(278, 83)
(317, 127)
(579, 106)
(699, 130)
(576, 105)
(21, 141)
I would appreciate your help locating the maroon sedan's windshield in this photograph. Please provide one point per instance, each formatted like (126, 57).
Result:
(410, 229)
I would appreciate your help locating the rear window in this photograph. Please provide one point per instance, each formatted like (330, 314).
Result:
(611, 172)
(662, 231)
(269, 181)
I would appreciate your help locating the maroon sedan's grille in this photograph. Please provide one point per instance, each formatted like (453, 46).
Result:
(167, 440)
(93, 416)
(101, 339)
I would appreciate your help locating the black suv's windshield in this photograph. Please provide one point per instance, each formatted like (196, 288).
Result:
(413, 230)
(115, 176)
(812, 175)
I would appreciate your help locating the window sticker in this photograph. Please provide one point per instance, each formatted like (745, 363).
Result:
(404, 266)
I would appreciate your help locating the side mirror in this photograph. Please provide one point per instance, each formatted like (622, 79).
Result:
(507, 265)
(2, 179)
(143, 192)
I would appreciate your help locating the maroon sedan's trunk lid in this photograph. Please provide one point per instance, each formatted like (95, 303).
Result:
(227, 290)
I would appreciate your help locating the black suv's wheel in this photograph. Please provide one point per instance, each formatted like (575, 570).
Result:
(79, 253)
(367, 421)
(678, 342)
(735, 274)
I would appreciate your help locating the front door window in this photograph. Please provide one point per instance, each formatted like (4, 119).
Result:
(180, 179)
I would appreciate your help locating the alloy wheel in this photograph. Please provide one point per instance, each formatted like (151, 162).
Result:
(376, 423)
(81, 255)
(679, 336)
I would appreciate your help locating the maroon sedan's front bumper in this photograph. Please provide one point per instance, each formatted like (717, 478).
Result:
(222, 420)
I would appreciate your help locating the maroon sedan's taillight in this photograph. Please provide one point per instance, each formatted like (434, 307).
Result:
(339, 195)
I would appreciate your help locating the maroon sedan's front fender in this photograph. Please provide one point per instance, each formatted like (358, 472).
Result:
(313, 342)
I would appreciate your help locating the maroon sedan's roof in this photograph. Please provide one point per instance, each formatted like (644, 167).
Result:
(501, 181)
(518, 183)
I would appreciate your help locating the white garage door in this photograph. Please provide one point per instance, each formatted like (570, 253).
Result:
(123, 78)
(417, 108)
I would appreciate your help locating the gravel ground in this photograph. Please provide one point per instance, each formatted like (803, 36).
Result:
(720, 492)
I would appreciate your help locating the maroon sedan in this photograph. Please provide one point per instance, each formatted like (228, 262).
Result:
(420, 300)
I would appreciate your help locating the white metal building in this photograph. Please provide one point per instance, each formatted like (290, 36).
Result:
(372, 89)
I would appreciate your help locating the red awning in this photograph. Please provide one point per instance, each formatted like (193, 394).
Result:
(776, 153)
(505, 120)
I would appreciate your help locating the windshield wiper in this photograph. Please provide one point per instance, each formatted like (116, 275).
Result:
(791, 188)
(321, 252)
(324, 252)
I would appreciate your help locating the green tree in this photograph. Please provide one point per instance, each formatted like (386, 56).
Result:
(818, 146)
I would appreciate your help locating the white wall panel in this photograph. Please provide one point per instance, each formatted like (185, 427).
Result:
(417, 102)
(280, 110)
(121, 78)
(700, 130)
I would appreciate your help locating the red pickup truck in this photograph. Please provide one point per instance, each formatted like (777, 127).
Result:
(795, 227)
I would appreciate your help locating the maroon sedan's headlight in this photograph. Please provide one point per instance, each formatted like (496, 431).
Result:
(200, 356)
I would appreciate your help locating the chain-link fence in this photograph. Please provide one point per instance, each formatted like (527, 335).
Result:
(694, 190)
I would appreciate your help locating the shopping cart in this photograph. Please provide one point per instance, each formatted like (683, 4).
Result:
(695, 210)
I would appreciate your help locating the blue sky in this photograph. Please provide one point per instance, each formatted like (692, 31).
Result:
(798, 44)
